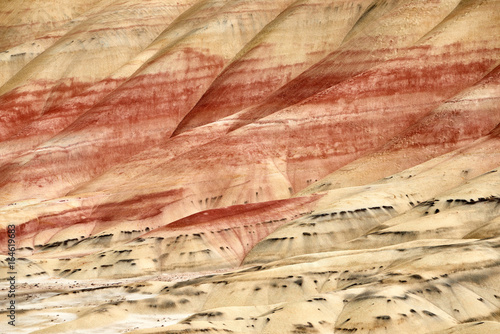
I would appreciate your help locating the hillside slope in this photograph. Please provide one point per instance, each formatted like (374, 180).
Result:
(240, 166)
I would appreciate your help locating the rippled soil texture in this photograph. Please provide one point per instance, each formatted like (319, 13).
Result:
(243, 166)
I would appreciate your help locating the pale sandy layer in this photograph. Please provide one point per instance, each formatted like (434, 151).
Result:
(224, 166)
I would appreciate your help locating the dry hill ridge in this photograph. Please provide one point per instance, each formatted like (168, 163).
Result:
(242, 166)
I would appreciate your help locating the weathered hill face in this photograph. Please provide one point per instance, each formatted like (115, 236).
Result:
(252, 166)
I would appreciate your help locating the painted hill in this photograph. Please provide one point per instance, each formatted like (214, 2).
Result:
(238, 166)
